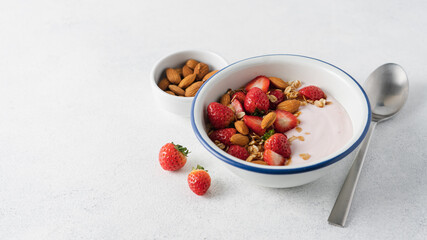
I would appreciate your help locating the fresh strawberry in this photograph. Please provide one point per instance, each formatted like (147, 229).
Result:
(284, 121)
(173, 156)
(219, 115)
(280, 96)
(239, 96)
(223, 135)
(261, 82)
(199, 180)
(238, 152)
(312, 92)
(274, 159)
(256, 100)
(254, 123)
(279, 144)
(237, 106)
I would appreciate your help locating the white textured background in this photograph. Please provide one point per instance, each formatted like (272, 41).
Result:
(79, 134)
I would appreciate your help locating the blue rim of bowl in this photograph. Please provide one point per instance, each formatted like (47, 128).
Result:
(282, 170)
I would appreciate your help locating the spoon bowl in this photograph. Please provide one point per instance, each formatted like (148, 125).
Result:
(387, 88)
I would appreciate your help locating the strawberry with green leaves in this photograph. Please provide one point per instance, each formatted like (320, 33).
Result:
(173, 156)
(256, 101)
(199, 180)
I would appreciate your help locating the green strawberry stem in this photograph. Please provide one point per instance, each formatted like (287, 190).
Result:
(268, 134)
(199, 168)
(182, 149)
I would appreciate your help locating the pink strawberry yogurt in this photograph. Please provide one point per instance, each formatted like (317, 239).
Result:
(325, 130)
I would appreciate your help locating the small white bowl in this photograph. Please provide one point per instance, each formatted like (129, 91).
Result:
(175, 104)
(331, 79)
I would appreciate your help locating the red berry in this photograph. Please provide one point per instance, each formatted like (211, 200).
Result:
(279, 144)
(223, 135)
(199, 180)
(256, 99)
(254, 123)
(173, 156)
(237, 106)
(239, 96)
(280, 97)
(261, 82)
(273, 158)
(284, 121)
(312, 92)
(238, 152)
(219, 115)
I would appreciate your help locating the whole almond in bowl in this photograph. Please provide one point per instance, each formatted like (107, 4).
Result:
(173, 86)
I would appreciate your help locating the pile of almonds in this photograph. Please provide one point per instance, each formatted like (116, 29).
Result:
(187, 80)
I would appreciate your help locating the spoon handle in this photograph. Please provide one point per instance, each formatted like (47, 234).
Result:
(342, 205)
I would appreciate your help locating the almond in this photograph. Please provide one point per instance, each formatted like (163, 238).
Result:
(179, 71)
(177, 90)
(173, 76)
(170, 92)
(239, 139)
(191, 63)
(209, 75)
(277, 82)
(163, 84)
(225, 99)
(241, 127)
(289, 105)
(187, 81)
(268, 120)
(201, 70)
(186, 71)
(191, 90)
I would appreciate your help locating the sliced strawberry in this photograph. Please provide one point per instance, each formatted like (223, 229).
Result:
(312, 92)
(280, 96)
(274, 159)
(284, 121)
(238, 108)
(254, 123)
(219, 115)
(279, 144)
(223, 135)
(238, 152)
(239, 96)
(261, 82)
(255, 100)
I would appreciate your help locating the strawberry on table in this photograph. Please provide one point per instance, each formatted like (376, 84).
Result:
(279, 144)
(256, 100)
(261, 82)
(223, 135)
(199, 180)
(172, 156)
(219, 115)
(285, 121)
(274, 159)
(312, 92)
(254, 123)
(280, 96)
(239, 96)
(238, 152)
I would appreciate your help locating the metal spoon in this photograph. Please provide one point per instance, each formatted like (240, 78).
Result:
(387, 89)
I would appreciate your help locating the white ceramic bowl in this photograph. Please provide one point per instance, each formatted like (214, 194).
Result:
(180, 105)
(331, 79)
